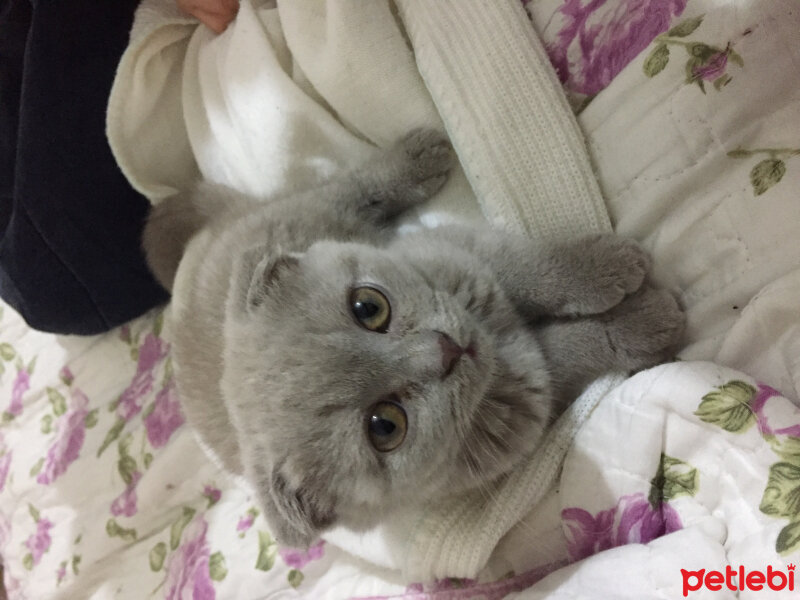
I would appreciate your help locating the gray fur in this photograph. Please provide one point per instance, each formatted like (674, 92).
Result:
(277, 377)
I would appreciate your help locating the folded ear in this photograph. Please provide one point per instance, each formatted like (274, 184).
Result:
(296, 517)
(260, 272)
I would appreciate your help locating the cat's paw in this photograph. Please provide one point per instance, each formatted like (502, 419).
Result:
(612, 267)
(644, 328)
(428, 158)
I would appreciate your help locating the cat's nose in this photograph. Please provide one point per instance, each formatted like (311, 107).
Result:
(451, 353)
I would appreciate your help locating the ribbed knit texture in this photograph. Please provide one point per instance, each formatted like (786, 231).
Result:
(506, 115)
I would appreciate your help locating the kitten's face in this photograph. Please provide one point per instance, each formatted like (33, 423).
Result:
(359, 381)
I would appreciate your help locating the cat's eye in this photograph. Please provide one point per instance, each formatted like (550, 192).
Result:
(386, 426)
(370, 308)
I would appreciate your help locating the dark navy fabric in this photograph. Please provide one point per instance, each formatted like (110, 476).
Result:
(70, 257)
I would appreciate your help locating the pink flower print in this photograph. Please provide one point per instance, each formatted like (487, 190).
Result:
(632, 520)
(713, 68)
(152, 351)
(212, 494)
(759, 402)
(61, 572)
(70, 433)
(5, 465)
(66, 375)
(21, 384)
(125, 503)
(39, 543)
(246, 522)
(187, 571)
(165, 417)
(600, 38)
(297, 559)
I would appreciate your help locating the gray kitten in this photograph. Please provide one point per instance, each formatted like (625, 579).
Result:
(345, 371)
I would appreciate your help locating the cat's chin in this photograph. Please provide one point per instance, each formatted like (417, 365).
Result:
(510, 416)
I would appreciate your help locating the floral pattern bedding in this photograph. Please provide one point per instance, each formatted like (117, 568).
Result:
(98, 469)
(104, 492)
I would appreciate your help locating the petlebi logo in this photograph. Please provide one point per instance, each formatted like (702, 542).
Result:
(738, 579)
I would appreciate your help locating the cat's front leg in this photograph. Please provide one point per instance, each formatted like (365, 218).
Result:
(600, 271)
(639, 332)
(407, 174)
(585, 277)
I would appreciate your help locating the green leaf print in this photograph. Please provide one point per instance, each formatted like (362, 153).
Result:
(176, 531)
(47, 424)
(691, 65)
(37, 468)
(656, 61)
(782, 495)
(7, 351)
(127, 467)
(766, 174)
(91, 419)
(168, 371)
(34, 512)
(685, 27)
(158, 324)
(267, 551)
(788, 538)
(58, 401)
(157, 556)
(674, 478)
(76, 561)
(739, 153)
(729, 407)
(27, 561)
(787, 448)
(295, 578)
(112, 435)
(721, 81)
(216, 567)
(769, 171)
(113, 529)
(702, 51)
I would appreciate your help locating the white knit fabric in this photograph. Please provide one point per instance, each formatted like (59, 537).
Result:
(507, 115)
(293, 92)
